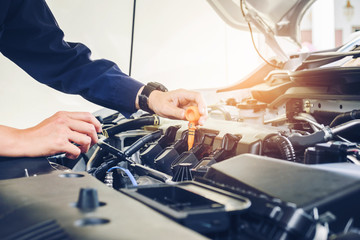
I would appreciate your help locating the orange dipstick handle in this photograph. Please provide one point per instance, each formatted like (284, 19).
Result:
(192, 115)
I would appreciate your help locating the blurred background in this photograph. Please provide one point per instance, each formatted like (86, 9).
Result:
(182, 44)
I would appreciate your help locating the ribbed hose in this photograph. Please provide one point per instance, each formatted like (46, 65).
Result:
(284, 146)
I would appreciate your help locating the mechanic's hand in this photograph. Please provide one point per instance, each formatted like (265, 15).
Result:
(172, 104)
(64, 132)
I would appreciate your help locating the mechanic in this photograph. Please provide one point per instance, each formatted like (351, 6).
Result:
(31, 38)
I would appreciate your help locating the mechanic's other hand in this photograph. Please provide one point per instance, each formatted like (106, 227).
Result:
(172, 104)
(64, 132)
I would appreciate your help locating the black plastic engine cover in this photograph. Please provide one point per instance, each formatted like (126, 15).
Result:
(303, 185)
(25, 167)
(47, 207)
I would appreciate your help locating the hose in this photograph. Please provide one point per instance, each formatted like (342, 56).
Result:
(128, 173)
(323, 135)
(141, 142)
(345, 117)
(120, 156)
(107, 147)
(311, 120)
(345, 126)
(226, 114)
(284, 146)
(131, 124)
(100, 172)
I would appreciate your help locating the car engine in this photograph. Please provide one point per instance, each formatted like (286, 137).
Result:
(277, 160)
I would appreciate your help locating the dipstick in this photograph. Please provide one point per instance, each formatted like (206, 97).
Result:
(192, 115)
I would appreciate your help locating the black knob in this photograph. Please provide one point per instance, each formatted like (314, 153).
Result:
(88, 200)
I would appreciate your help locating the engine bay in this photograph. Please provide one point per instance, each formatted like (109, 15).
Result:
(278, 163)
(277, 159)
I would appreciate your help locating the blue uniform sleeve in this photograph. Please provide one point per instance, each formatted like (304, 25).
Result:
(32, 39)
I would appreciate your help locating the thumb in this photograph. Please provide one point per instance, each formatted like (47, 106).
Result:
(175, 112)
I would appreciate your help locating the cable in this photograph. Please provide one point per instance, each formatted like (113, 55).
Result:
(91, 161)
(116, 152)
(132, 37)
(141, 142)
(252, 37)
(128, 173)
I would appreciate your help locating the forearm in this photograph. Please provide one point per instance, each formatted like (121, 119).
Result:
(21, 143)
(64, 132)
(12, 142)
(36, 44)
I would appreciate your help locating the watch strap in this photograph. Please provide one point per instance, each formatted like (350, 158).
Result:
(145, 93)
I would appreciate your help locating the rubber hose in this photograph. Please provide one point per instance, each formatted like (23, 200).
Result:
(284, 146)
(100, 172)
(131, 124)
(141, 142)
(345, 117)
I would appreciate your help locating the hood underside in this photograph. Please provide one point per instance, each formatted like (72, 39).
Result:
(273, 18)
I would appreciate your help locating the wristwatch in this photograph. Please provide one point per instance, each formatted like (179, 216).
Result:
(145, 93)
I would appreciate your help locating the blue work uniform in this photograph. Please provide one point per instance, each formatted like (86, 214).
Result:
(31, 38)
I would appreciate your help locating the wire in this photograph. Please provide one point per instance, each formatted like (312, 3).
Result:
(92, 159)
(252, 37)
(128, 173)
(132, 38)
(348, 225)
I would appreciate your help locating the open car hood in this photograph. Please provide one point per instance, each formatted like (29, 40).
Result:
(271, 17)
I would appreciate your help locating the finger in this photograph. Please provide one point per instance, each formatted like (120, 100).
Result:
(84, 128)
(85, 117)
(70, 156)
(202, 121)
(194, 97)
(71, 151)
(201, 104)
(82, 140)
(174, 112)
